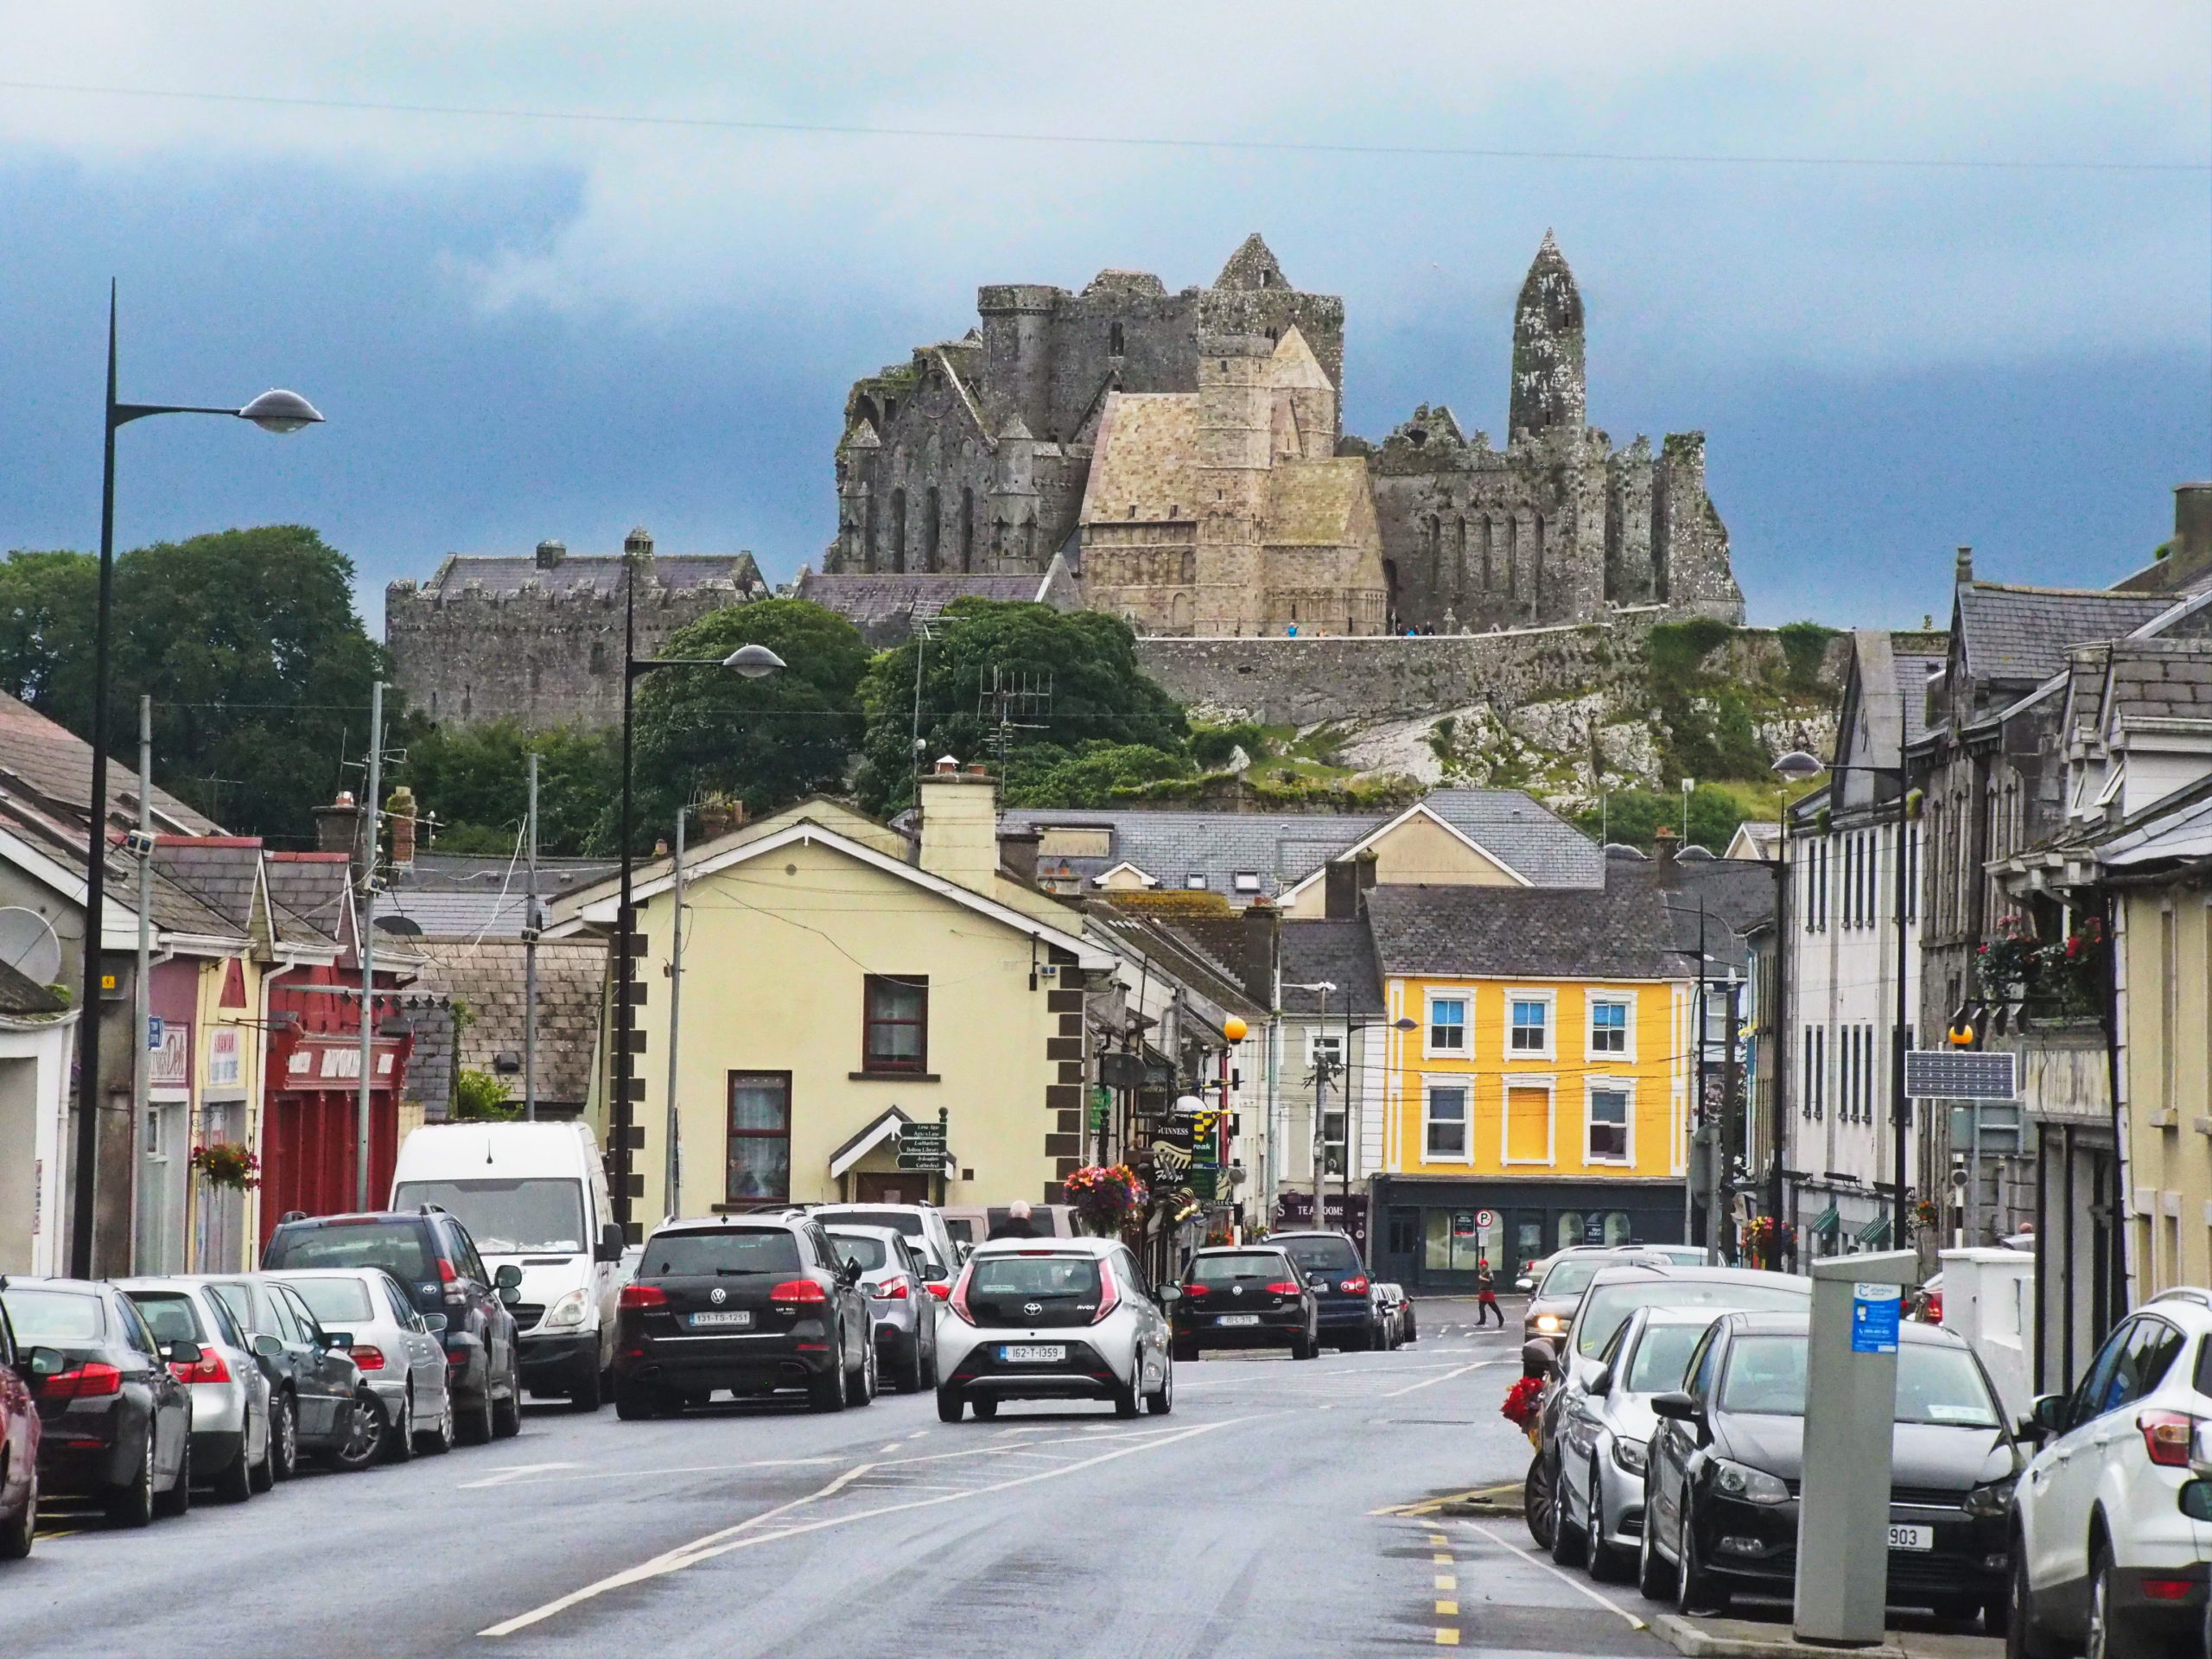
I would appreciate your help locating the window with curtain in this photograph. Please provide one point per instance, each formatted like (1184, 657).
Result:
(760, 1137)
(896, 1034)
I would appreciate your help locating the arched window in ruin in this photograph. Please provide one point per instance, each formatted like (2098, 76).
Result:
(1459, 558)
(867, 535)
(931, 528)
(1113, 340)
(1179, 613)
(967, 530)
(1536, 566)
(599, 656)
(898, 529)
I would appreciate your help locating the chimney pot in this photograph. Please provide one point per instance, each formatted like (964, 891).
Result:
(1966, 564)
(550, 553)
(638, 543)
(1664, 844)
(946, 763)
(976, 769)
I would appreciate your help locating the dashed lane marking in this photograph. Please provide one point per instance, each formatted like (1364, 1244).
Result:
(1447, 1610)
(513, 1473)
(1426, 1381)
(1447, 1637)
(522, 1475)
(1606, 1602)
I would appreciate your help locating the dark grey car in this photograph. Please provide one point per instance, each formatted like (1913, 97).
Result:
(315, 1388)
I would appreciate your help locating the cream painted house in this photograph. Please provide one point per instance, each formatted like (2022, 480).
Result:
(839, 982)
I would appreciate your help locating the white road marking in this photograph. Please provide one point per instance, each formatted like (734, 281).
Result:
(1479, 1365)
(636, 1474)
(893, 1446)
(513, 1473)
(744, 1533)
(1604, 1601)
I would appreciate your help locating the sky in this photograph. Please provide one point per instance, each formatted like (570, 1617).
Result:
(1925, 274)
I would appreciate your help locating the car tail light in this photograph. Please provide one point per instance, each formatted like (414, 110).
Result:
(209, 1368)
(957, 1300)
(1110, 1297)
(1196, 1290)
(446, 1274)
(1357, 1285)
(87, 1382)
(1285, 1287)
(2165, 1589)
(2166, 1435)
(369, 1359)
(892, 1288)
(643, 1296)
(795, 1291)
(940, 1289)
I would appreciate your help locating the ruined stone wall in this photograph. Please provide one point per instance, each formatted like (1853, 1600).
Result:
(543, 658)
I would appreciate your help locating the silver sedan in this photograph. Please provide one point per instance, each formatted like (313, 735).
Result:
(402, 1363)
(1603, 1430)
(230, 1394)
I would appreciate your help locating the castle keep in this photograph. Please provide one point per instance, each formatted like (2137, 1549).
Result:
(1185, 452)
(539, 640)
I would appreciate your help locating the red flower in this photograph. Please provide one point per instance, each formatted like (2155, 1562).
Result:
(1521, 1399)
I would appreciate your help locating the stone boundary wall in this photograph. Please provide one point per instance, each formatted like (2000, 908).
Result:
(1304, 682)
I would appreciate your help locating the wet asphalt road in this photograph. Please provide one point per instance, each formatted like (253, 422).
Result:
(1263, 1518)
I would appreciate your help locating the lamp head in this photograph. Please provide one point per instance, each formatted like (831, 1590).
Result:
(754, 661)
(1405, 1025)
(280, 412)
(1798, 767)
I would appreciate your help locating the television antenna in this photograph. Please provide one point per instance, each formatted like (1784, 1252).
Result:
(1013, 699)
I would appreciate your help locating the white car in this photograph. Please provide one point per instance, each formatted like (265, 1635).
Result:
(2103, 1555)
(1053, 1319)
(401, 1362)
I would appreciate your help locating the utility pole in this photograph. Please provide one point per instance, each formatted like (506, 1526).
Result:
(529, 928)
(370, 828)
(675, 1160)
(1732, 1114)
(142, 1067)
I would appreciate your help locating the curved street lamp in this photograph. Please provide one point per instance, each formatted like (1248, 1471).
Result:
(277, 411)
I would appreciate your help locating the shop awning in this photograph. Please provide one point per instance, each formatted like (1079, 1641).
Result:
(1826, 1225)
(1876, 1231)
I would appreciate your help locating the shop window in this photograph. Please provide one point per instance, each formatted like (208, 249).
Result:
(1568, 1230)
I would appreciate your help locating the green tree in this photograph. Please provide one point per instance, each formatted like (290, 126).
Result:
(248, 642)
(768, 741)
(478, 1097)
(1634, 817)
(1090, 777)
(1088, 659)
(475, 781)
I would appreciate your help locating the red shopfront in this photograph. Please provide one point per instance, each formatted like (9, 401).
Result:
(311, 1123)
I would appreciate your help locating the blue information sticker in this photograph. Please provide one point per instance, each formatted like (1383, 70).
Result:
(1874, 1310)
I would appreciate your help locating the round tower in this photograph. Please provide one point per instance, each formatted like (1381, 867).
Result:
(1549, 390)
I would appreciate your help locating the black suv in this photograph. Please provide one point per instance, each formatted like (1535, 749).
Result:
(752, 1304)
(430, 1253)
(1332, 1267)
(1244, 1296)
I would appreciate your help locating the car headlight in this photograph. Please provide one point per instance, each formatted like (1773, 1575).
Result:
(1752, 1485)
(571, 1309)
(1550, 1324)
(1994, 1497)
(1628, 1455)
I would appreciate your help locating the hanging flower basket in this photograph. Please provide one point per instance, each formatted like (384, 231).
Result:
(1522, 1402)
(226, 1163)
(1104, 1198)
(1768, 1240)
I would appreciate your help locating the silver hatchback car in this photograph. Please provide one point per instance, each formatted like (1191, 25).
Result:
(230, 1394)
(401, 1362)
(1053, 1319)
(903, 1313)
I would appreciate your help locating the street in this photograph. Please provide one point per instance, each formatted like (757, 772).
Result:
(1257, 1519)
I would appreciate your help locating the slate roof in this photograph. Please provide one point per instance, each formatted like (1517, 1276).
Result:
(884, 605)
(503, 573)
(459, 896)
(24, 998)
(307, 896)
(2020, 635)
(1283, 849)
(222, 873)
(52, 765)
(1912, 673)
(1623, 931)
(1341, 953)
(488, 977)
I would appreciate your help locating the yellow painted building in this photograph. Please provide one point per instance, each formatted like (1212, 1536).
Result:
(1542, 1098)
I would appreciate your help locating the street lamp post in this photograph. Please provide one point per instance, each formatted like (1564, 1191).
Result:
(280, 412)
(753, 662)
(1342, 1065)
(1797, 766)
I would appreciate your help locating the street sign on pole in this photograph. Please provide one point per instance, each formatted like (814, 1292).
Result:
(922, 1147)
(1947, 1074)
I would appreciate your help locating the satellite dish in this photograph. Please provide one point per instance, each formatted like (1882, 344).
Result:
(29, 945)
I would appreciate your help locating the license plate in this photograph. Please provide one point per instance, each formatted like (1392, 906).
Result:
(1033, 1353)
(1912, 1537)
(1238, 1319)
(733, 1318)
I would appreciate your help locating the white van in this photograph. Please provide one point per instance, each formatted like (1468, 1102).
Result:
(533, 1195)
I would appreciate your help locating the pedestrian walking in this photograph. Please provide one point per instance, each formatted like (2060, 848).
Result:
(1017, 1225)
(1486, 1296)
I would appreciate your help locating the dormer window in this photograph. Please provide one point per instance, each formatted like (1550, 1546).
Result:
(1246, 881)
(1195, 881)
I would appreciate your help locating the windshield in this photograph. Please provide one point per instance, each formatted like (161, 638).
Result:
(507, 1218)
(1572, 1276)
(1936, 1384)
(335, 1301)
(52, 1317)
(900, 1221)
(1032, 1290)
(1322, 1255)
(171, 1314)
(1245, 1264)
(870, 1253)
(395, 1246)
(1606, 1308)
(1663, 1357)
(724, 1250)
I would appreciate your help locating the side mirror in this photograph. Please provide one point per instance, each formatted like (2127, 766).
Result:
(932, 1274)
(1169, 1293)
(269, 1347)
(1537, 1359)
(36, 1365)
(610, 1243)
(181, 1353)
(2048, 1414)
(1603, 1382)
(434, 1323)
(1677, 1406)
(2196, 1500)
(508, 1278)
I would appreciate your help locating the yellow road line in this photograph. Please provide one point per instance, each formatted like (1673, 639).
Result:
(1447, 1610)
(1447, 1581)
(1447, 1637)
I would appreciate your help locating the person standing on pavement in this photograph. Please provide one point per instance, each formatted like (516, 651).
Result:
(1017, 1225)
(1486, 1296)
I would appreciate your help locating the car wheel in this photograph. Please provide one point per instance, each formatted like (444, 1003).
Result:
(15, 1536)
(506, 1414)
(284, 1437)
(1654, 1579)
(475, 1422)
(1540, 1500)
(365, 1438)
(948, 1404)
(235, 1484)
(178, 1499)
(587, 1395)
(1300, 1348)
(1694, 1590)
(985, 1408)
(906, 1370)
(1161, 1400)
(1125, 1394)
(929, 1367)
(437, 1441)
(1313, 1343)
(827, 1391)
(1569, 1540)
(2111, 1632)
(635, 1403)
(859, 1384)
(1601, 1560)
(133, 1505)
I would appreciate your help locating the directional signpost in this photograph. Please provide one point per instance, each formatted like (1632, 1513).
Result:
(923, 1146)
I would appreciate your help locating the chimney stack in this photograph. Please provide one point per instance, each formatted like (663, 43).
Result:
(2191, 552)
(959, 816)
(1966, 565)
(400, 808)
(638, 544)
(550, 553)
(1263, 924)
(1665, 844)
(338, 826)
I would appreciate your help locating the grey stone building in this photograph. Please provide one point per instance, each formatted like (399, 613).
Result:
(539, 639)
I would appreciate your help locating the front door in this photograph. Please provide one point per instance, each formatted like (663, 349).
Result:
(164, 1162)
(890, 1186)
